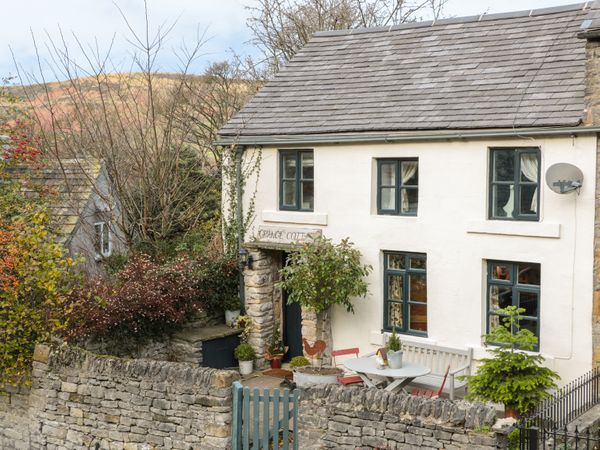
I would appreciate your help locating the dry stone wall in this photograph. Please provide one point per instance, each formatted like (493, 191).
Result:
(78, 400)
(352, 417)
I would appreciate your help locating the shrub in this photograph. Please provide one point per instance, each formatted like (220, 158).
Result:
(217, 280)
(320, 274)
(299, 361)
(512, 376)
(145, 299)
(244, 352)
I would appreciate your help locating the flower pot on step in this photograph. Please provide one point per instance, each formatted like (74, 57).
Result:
(231, 316)
(246, 367)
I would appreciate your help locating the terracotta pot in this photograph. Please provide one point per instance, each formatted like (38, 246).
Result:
(510, 412)
(276, 363)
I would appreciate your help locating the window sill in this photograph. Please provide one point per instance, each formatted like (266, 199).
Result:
(510, 228)
(305, 218)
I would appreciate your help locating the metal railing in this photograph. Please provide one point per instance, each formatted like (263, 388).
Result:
(546, 426)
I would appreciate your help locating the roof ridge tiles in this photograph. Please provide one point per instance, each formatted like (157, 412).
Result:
(465, 19)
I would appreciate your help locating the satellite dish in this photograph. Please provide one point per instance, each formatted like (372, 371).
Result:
(563, 178)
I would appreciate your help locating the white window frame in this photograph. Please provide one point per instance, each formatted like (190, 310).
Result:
(102, 226)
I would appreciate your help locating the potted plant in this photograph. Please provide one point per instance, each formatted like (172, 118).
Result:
(276, 350)
(246, 355)
(394, 350)
(513, 376)
(307, 375)
(299, 361)
(232, 310)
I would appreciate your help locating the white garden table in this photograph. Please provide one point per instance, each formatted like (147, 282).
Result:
(366, 368)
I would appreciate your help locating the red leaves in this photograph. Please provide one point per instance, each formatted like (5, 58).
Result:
(19, 146)
(145, 299)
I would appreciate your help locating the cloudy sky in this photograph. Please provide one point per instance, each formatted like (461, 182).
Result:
(221, 22)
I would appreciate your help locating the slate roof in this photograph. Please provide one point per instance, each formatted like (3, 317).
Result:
(522, 69)
(69, 187)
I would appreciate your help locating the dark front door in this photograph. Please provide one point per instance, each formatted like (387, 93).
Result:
(292, 328)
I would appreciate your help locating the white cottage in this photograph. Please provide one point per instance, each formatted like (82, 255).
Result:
(428, 145)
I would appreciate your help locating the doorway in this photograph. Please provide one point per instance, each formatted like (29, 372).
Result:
(292, 324)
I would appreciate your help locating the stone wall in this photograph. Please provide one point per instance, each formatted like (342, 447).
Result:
(353, 417)
(78, 400)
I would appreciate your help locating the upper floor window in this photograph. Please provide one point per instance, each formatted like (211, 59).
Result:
(514, 182)
(397, 186)
(405, 290)
(514, 284)
(296, 180)
(102, 239)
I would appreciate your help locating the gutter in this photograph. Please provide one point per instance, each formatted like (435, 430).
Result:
(415, 136)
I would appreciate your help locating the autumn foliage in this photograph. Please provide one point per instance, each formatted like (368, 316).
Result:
(35, 276)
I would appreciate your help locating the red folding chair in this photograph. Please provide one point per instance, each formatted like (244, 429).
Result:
(429, 393)
(347, 379)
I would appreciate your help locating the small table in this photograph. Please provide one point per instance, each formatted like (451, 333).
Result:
(366, 368)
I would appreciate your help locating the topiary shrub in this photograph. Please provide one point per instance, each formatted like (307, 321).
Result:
(244, 352)
(320, 274)
(299, 361)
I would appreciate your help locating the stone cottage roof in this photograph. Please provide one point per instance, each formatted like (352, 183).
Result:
(512, 70)
(69, 186)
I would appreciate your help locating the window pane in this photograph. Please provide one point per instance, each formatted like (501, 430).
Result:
(528, 324)
(494, 321)
(307, 194)
(529, 302)
(410, 173)
(395, 287)
(409, 200)
(97, 238)
(503, 200)
(501, 272)
(289, 193)
(417, 263)
(105, 240)
(500, 297)
(395, 315)
(504, 162)
(388, 173)
(289, 166)
(529, 167)
(388, 199)
(418, 287)
(528, 199)
(529, 273)
(308, 166)
(418, 317)
(396, 261)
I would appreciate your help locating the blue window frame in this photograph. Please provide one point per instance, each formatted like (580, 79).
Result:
(405, 292)
(296, 180)
(398, 186)
(514, 284)
(514, 184)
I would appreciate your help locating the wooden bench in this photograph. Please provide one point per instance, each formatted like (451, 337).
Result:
(438, 359)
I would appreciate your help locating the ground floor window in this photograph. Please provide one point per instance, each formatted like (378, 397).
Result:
(405, 292)
(516, 284)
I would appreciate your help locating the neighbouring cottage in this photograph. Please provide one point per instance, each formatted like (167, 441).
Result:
(428, 145)
(84, 208)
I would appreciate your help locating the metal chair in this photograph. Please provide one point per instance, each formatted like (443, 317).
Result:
(347, 379)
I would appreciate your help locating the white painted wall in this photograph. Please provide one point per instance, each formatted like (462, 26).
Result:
(451, 228)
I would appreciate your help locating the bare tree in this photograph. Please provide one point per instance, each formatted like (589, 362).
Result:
(282, 27)
(154, 132)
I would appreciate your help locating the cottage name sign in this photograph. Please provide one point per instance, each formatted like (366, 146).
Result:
(283, 235)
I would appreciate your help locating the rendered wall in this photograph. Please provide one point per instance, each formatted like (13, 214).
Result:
(452, 229)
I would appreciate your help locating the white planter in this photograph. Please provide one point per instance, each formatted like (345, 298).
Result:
(394, 359)
(231, 316)
(246, 367)
(307, 379)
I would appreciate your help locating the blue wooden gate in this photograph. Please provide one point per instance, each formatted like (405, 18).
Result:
(264, 420)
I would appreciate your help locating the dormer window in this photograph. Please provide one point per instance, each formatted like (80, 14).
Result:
(102, 240)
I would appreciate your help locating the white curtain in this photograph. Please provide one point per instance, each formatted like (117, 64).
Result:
(529, 168)
(409, 168)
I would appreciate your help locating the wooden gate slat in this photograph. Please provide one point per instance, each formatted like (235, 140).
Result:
(276, 420)
(286, 418)
(255, 419)
(295, 420)
(266, 401)
(235, 427)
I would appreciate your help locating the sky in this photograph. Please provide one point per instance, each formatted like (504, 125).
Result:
(26, 24)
